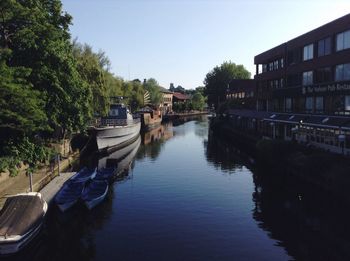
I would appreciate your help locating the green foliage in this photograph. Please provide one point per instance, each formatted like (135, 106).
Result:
(152, 86)
(10, 164)
(90, 68)
(217, 80)
(22, 108)
(114, 84)
(198, 101)
(136, 96)
(37, 34)
(26, 151)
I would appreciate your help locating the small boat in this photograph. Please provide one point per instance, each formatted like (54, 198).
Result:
(69, 194)
(84, 175)
(20, 220)
(94, 193)
(105, 174)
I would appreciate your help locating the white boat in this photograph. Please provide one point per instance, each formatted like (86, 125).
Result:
(20, 220)
(117, 130)
(94, 193)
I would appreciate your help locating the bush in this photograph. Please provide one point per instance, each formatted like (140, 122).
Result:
(26, 151)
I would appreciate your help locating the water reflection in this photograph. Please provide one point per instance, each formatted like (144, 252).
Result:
(121, 159)
(155, 138)
(310, 224)
(204, 202)
(223, 156)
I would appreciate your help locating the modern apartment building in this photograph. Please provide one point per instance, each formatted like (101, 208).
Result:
(303, 89)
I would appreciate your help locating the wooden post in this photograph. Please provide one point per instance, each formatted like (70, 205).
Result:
(58, 163)
(31, 181)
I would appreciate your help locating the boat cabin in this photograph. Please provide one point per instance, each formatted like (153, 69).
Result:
(119, 111)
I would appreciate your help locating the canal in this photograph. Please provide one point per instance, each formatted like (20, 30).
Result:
(186, 194)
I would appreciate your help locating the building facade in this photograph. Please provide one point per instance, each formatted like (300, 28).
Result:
(305, 86)
(166, 105)
(241, 94)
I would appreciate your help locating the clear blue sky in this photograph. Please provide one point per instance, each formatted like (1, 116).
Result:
(180, 41)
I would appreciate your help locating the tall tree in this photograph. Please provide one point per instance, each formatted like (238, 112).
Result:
(198, 101)
(22, 109)
(91, 69)
(36, 32)
(217, 80)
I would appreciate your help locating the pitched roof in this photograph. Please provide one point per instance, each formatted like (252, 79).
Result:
(180, 96)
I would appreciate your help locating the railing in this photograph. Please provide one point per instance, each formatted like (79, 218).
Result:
(114, 122)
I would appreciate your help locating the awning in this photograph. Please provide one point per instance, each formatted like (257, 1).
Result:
(330, 122)
(249, 113)
(287, 118)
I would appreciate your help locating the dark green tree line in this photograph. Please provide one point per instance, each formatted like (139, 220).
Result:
(217, 80)
(49, 85)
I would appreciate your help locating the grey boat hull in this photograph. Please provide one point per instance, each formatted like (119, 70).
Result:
(114, 137)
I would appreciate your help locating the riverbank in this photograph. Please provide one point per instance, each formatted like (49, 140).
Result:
(176, 116)
(41, 177)
(280, 159)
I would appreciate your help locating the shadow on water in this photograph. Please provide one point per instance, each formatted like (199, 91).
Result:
(223, 155)
(71, 235)
(308, 223)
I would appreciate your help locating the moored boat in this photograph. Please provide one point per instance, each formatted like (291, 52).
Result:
(105, 174)
(116, 130)
(94, 193)
(84, 175)
(69, 194)
(150, 118)
(20, 220)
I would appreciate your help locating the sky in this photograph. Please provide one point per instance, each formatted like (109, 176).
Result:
(180, 41)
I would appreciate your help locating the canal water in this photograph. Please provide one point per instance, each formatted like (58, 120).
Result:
(185, 194)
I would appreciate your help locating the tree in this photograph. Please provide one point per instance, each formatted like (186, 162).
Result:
(198, 101)
(22, 108)
(217, 80)
(91, 69)
(114, 85)
(36, 33)
(152, 86)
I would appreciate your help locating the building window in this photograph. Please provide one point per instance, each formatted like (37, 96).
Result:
(288, 104)
(324, 47)
(281, 63)
(308, 53)
(275, 65)
(271, 66)
(264, 68)
(347, 102)
(281, 82)
(307, 78)
(308, 104)
(323, 75)
(319, 104)
(294, 56)
(343, 40)
(342, 72)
